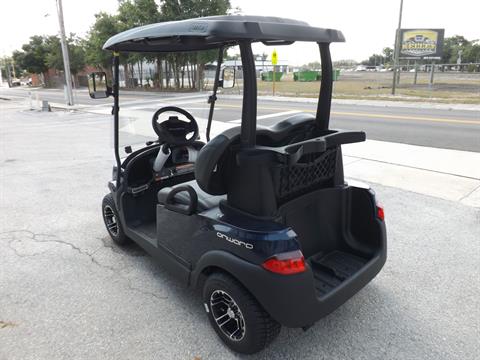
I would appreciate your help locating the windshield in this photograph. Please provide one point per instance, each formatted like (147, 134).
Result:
(170, 80)
(136, 120)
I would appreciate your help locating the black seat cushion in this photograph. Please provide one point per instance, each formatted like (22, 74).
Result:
(205, 201)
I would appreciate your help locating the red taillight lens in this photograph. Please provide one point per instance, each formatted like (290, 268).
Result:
(380, 212)
(286, 263)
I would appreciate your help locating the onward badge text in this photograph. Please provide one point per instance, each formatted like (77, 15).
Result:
(421, 43)
(235, 241)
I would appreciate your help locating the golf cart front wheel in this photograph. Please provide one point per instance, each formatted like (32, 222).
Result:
(237, 318)
(112, 221)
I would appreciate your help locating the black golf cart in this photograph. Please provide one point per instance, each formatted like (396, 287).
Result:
(260, 218)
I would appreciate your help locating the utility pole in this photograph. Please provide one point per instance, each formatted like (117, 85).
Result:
(66, 60)
(397, 48)
(9, 75)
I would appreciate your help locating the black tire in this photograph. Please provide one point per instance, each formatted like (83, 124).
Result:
(112, 221)
(259, 329)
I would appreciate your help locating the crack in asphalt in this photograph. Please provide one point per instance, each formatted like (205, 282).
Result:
(126, 249)
(47, 238)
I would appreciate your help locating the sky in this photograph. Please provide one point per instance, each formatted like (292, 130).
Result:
(368, 25)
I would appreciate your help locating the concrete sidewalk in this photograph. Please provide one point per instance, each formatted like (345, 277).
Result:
(446, 174)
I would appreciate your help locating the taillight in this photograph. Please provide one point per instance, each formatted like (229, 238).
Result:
(380, 212)
(287, 263)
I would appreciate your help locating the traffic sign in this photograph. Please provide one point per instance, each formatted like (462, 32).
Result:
(274, 57)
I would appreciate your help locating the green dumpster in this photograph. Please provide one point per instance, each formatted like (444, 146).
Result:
(268, 76)
(306, 75)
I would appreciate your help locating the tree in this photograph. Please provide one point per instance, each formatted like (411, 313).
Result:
(76, 52)
(472, 53)
(387, 55)
(105, 26)
(14, 64)
(33, 56)
(10, 69)
(470, 50)
(133, 13)
(451, 47)
(77, 55)
(374, 60)
(42, 53)
(185, 9)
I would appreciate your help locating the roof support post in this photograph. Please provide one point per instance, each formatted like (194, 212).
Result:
(325, 97)
(249, 106)
(116, 109)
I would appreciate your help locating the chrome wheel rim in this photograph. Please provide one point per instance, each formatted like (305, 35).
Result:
(227, 315)
(110, 220)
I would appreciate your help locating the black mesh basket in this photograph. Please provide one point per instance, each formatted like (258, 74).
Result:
(311, 172)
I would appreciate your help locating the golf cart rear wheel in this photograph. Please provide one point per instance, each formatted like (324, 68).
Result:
(112, 221)
(238, 319)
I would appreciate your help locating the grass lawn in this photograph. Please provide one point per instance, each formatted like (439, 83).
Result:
(377, 86)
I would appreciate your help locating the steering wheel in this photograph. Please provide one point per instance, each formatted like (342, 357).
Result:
(174, 131)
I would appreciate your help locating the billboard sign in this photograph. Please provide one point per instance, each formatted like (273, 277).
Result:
(421, 43)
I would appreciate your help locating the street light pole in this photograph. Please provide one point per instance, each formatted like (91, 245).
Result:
(66, 60)
(397, 48)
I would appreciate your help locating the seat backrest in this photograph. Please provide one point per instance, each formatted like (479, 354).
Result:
(215, 159)
(211, 168)
(258, 180)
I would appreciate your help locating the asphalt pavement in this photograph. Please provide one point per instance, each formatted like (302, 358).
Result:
(415, 124)
(67, 292)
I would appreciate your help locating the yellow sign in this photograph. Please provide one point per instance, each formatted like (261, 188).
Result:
(274, 57)
(421, 42)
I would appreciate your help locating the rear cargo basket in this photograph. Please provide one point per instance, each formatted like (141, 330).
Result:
(311, 172)
(331, 269)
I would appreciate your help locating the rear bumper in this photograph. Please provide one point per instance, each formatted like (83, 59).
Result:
(292, 300)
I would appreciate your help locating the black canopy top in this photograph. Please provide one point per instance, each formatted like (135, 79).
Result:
(215, 31)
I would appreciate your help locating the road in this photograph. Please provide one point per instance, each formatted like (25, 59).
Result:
(66, 292)
(450, 129)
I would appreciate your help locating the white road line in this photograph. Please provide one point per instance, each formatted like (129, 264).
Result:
(157, 100)
(291, 112)
(161, 102)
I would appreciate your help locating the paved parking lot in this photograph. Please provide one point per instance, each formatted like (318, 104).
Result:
(67, 292)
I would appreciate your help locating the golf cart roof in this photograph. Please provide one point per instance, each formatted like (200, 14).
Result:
(216, 31)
